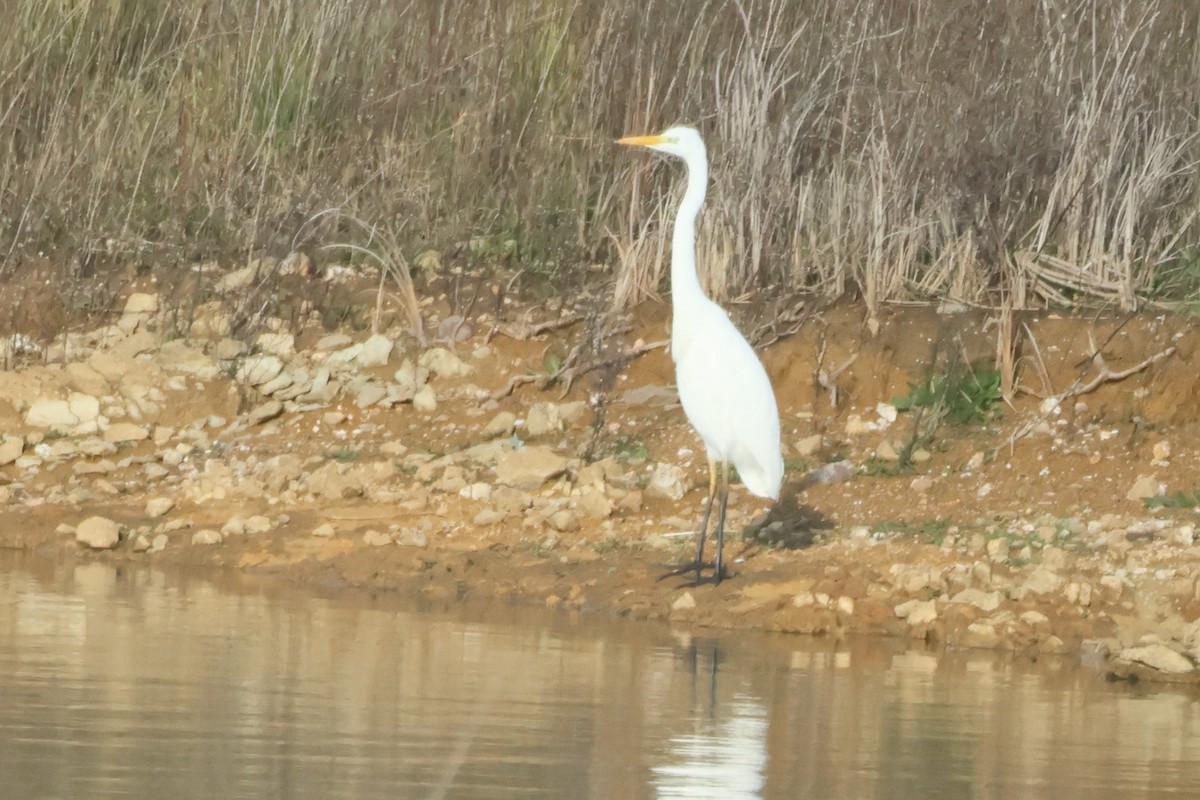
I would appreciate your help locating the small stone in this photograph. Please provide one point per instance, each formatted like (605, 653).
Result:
(845, 605)
(855, 425)
(376, 538)
(52, 414)
(158, 543)
(264, 412)
(685, 602)
(986, 601)
(411, 537)
(1034, 618)
(809, 445)
(917, 612)
(886, 451)
(488, 516)
(257, 523)
(563, 521)
(98, 533)
(1144, 486)
(375, 351)
(125, 432)
(1158, 657)
(997, 551)
(530, 467)
(501, 425)
(10, 449)
(276, 344)
(370, 394)
(443, 363)
(138, 310)
(981, 635)
(258, 369)
(1043, 581)
(229, 349)
(573, 412)
(207, 536)
(543, 420)
(921, 484)
(324, 530)
(141, 543)
(158, 506)
(425, 400)
(668, 482)
(1162, 450)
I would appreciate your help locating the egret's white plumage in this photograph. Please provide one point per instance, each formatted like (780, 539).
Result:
(723, 387)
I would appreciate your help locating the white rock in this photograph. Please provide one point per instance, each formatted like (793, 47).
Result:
(259, 369)
(370, 394)
(47, 413)
(501, 425)
(809, 445)
(125, 432)
(668, 481)
(264, 412)
(333, 341)
(82, 378)
(10, 449)
(1159, 657)
(207, 536)
(986, 601)
(685, 602)
(917, 612)
(530, 467)
(1043, 581)
(257, 523)
(158, 506)
(376, 538)
(138, 310)
(443, 363)
(276, 344)
(324, 530)
(98, 533)
(425, 400)
(1145, 486)
(543, 420)
(375, 351)
(411, 537)
(345, 355)
(238, 279)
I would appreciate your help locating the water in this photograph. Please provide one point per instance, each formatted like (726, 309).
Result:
(140, 683)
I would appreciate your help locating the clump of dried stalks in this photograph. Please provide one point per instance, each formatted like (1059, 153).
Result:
(897, 150)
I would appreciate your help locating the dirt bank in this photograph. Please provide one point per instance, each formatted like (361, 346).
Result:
(377, 463)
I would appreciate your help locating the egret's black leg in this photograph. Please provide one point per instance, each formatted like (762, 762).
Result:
(719, 568)
(718, 565)
(699, 564)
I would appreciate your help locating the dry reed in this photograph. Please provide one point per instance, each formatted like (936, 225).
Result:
(904, 150)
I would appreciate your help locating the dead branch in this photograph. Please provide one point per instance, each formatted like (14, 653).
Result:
(568, 372)
(788, 323)
(525, 330)
(1079, 388)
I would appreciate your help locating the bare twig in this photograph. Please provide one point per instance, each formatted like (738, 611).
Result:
(568, 372)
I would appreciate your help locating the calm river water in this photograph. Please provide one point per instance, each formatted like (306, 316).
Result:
(140, 683)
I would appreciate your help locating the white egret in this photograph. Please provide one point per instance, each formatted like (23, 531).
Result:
(723, 387)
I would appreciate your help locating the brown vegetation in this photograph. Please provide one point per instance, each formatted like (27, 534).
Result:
(1028, 152)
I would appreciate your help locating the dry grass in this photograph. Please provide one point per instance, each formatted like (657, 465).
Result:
(898, 150)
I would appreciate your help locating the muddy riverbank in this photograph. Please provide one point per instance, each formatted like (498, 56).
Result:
(1059, 523)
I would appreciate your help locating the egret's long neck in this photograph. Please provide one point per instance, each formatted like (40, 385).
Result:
(685, 285)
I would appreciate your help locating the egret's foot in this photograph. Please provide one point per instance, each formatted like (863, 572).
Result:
(706, 580)
(675, 570)
(696, 568)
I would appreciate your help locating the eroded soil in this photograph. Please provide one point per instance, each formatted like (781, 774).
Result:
(1020, 529)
